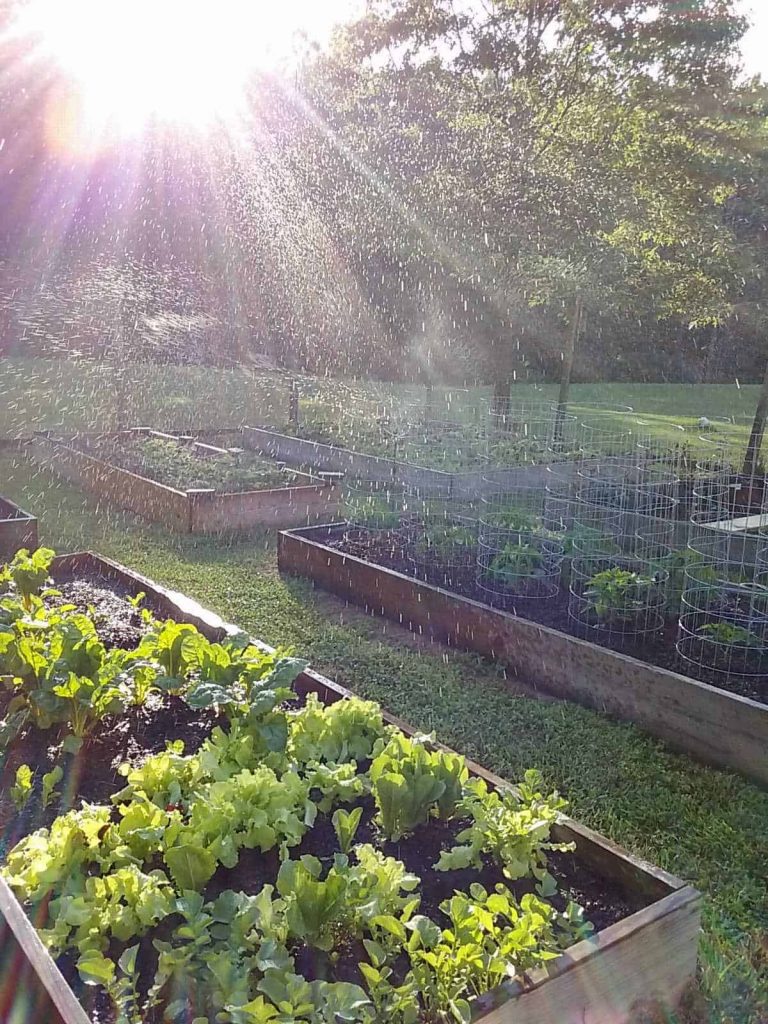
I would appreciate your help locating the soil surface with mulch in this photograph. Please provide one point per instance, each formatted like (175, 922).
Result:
(393, 550)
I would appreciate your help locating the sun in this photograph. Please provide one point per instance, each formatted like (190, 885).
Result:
(128, 64)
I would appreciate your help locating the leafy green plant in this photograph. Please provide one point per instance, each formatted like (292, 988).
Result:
(410, 781)
(28, 573)
(21, 790)
(617, 595)
(349, 730)
(51, 780)
(87, 701)
(512, 827)
(515, 560)
(444, 539)
(345, 824)
(491, 938)
(730, 635)
(313, 905)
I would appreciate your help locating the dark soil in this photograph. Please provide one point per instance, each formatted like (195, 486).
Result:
(393, 551)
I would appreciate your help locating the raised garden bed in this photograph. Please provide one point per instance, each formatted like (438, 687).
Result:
(297, 451)
(189, 484)
(18, 529)
(644, 951)
(710, 723)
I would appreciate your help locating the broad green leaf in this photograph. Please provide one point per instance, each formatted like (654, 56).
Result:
(96, 969)
(191, 867)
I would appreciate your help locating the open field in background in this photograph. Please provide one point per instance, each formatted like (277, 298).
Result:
(70, 396)
(705, 825)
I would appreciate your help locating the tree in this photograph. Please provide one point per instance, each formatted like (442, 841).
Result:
(498, 143)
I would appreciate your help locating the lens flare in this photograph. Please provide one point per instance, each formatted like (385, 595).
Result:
(184, 62)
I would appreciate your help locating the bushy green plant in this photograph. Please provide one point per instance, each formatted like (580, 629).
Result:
(617, 596)
(730, 635)
(444, 540)
(348, 730)
(512, 827)
(410, 781)
(515, 560)
(28, 573)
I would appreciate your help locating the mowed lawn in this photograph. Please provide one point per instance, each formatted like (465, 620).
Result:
(707, 826)
(38, 394)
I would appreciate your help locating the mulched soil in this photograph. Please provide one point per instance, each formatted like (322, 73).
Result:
(393, 551)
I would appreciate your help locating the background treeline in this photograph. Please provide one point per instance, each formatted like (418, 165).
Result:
(433, 197)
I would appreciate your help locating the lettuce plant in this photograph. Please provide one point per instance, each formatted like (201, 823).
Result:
(512, 827)
(345, 824)
(349, 730)
(410, 781)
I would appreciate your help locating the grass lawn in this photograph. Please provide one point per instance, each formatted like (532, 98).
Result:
(57, 394)
(707, 826)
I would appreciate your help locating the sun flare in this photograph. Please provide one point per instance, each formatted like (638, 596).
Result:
(130, 63)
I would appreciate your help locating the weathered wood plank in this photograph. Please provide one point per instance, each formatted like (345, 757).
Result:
(18, 529)
(36, 984)
(649, 958)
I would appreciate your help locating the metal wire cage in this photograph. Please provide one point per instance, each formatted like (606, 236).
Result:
(530, 432)
(621, 509)
(451, 446)
(441, 547)
(723, 623)
(518, 556)
(374, 507)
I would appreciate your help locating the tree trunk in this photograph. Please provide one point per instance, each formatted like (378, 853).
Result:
(752, 457)
(293, 404)
(565, 377)
(502, 396)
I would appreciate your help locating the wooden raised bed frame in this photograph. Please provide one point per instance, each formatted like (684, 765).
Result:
(297, 451)
(193, 511)
(711, 724)
(18, 529)
(649, 958)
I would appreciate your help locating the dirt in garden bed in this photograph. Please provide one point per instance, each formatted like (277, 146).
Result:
(391, 550)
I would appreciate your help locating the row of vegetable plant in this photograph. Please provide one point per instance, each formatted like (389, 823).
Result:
(268, 876)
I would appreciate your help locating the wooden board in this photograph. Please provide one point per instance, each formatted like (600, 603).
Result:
(650, 955)
(192, 511)
(743, 524)
(18, 529)
(710, 724)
